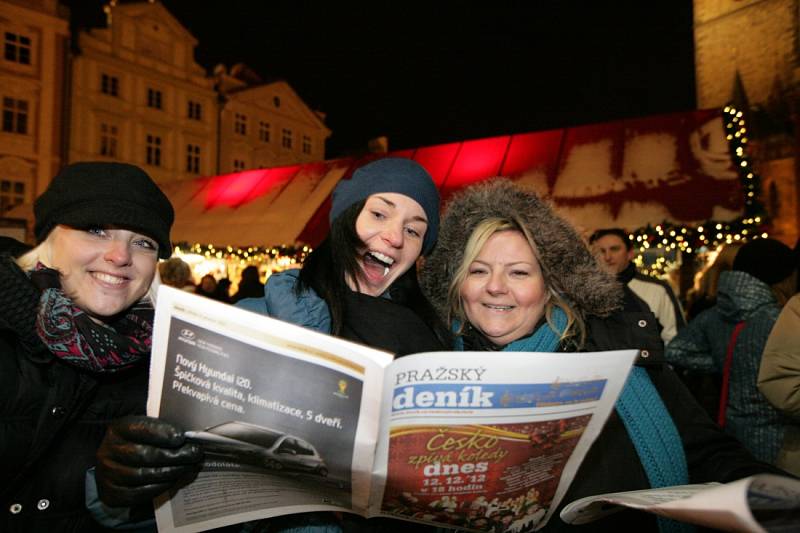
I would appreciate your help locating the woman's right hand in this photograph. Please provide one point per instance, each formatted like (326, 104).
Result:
(141, 457)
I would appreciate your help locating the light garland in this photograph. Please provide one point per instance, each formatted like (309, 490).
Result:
(230, 260)
(666, 239)
(281, 255)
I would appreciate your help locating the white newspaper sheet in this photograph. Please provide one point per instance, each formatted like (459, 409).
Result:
(760, 503)
(294, 421)
(481, 443)
(288, 417)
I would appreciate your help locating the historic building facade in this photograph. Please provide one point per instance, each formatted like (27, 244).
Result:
(139, 96)
(32, 90)
(265, 124)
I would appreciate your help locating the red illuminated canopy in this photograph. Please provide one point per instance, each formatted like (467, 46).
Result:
(626, 173)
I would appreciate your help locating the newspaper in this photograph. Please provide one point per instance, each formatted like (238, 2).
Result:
(295, 421)
(760, 503)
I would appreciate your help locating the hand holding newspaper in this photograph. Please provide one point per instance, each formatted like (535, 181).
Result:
(294, 421)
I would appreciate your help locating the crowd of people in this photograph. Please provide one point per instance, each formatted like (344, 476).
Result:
(501, 271)
(175, 272)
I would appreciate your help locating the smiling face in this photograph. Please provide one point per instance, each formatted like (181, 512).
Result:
(504, 292)
(392, 227)
(104, 271)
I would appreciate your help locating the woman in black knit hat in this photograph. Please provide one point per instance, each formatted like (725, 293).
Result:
(75, 333)
(359, 284)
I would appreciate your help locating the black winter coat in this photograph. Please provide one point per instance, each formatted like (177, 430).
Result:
(612, 464)
(52, 419)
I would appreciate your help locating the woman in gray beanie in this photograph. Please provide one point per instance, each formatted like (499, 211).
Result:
(75, 330)
(361, 282)
(511, 275)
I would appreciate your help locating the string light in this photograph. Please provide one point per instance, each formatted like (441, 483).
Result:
(667, 237)
(268, 259)
(670, 238)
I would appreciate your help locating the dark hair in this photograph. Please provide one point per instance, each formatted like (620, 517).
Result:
(327, 268)
(250, 275)
(618, 232)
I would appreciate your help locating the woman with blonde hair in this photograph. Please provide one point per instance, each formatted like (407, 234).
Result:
(511, 275)
(76, 333)
(704, 293)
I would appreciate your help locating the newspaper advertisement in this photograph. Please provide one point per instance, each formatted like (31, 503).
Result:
(294, 421)
(760, 503)
(287, 417)
(482, 446)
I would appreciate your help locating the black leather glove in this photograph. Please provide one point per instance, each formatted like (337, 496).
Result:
(141, 457)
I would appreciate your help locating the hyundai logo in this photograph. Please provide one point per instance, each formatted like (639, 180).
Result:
(187, 333)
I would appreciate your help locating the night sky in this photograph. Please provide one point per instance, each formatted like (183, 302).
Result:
(439, 72)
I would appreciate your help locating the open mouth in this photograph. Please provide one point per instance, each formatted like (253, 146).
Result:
(377, 260)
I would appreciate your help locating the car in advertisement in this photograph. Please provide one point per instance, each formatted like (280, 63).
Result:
(260, 446)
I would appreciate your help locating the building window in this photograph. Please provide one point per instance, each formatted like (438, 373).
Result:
(108, 140)
(238, 164)
(263, 131)
(286, 138)
(306, 144)
(11, 193)
(17, 48)
(276, 101)
(240, 124)
(195, 111)
(153, 154)
(109, 85)
(193, 158)
(15, 115)
(154, 98)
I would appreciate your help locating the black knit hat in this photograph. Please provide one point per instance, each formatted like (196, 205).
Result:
(106, 194)
(769, 260)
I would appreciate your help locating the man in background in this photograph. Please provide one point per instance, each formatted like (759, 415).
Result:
(614, 251)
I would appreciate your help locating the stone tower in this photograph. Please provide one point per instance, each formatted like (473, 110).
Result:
(748, 52)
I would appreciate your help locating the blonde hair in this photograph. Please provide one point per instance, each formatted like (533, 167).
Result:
(43, 253)
(477, 239)
(706, 285)
(39, 254)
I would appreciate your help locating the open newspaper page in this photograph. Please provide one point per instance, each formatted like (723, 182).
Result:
(489, 441)
(287, 417)
(760, 503)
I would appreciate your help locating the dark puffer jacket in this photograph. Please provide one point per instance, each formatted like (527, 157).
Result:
(612, 463)
(53, 418)
(703, 346)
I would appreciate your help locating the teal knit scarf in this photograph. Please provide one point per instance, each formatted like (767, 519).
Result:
(649, 424)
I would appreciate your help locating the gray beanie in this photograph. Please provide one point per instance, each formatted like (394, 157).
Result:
(397, 175)
(105, 194)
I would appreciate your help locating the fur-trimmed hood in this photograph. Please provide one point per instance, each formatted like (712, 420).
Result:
(586, 287)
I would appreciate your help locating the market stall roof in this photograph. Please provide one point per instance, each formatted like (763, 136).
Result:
(628, 173)
(257, 207)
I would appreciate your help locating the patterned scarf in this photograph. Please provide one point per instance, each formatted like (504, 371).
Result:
(73, 337)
